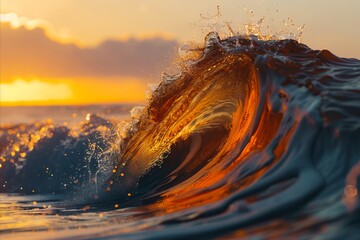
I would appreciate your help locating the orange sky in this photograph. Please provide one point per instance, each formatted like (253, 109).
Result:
(38, 69)
(79, 52)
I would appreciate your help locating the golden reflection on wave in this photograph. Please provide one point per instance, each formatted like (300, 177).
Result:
(215, 114)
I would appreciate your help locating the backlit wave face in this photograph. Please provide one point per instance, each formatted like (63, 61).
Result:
(251, 135)
(239, 126)
(191, 123)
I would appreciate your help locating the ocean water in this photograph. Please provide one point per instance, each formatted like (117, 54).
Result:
(252, 139)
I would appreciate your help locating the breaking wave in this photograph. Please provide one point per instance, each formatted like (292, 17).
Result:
(251, 138)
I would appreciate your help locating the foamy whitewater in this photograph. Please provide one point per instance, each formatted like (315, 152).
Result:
(253, 139)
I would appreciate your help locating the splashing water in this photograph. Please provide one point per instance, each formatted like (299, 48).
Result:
(255, 28)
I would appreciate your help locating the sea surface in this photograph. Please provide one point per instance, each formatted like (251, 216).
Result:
(251, 139)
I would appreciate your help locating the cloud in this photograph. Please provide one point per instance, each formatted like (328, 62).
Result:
(16, 21)
(27, 53)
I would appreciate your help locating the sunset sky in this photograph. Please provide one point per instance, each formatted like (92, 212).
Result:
(92, 51)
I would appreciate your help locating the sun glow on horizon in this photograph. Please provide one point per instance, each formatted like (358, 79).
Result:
(34, 90)
(29, 89)
(71, 91)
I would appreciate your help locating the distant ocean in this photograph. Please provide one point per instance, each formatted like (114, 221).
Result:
(61, 114)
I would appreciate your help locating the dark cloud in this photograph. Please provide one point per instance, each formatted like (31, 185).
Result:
(28, 53)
